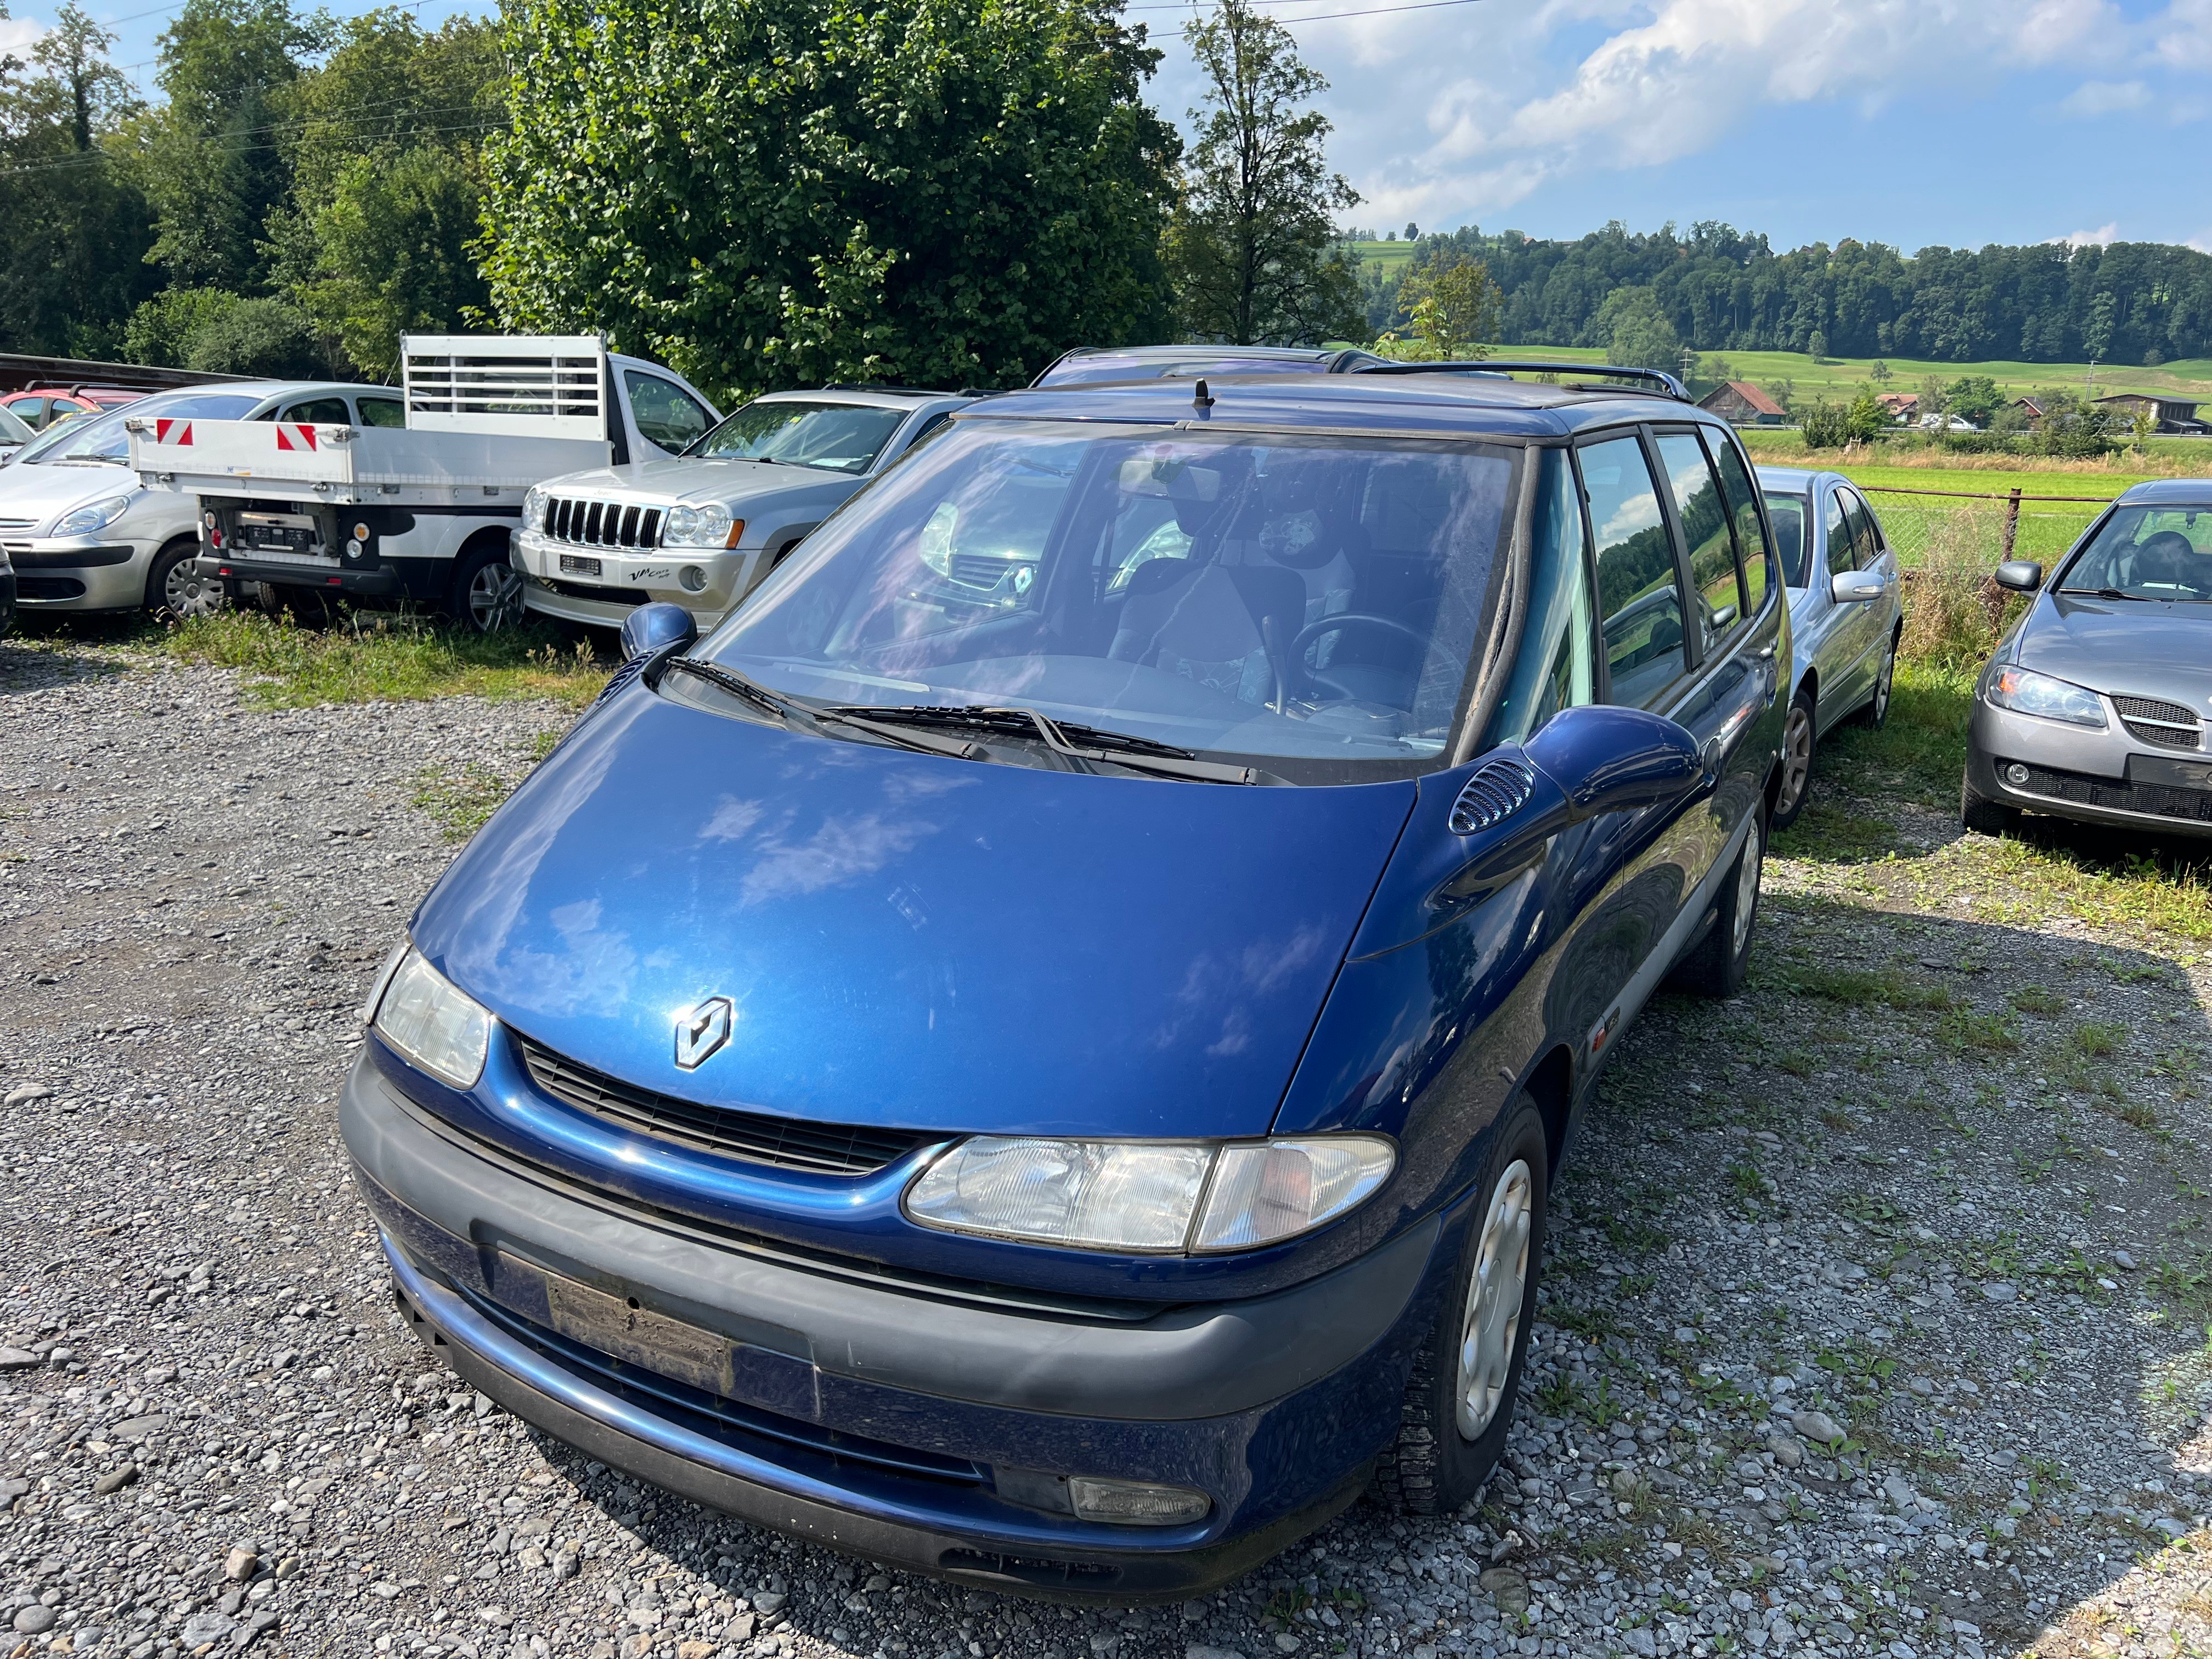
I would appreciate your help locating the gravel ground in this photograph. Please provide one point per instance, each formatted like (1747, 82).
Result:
(1876, 1315)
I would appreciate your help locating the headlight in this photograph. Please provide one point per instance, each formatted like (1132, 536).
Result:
(2027, 692)
(701, 526)
(83, 521)
(1148, 1196)
(423, 1016)
(533, 508)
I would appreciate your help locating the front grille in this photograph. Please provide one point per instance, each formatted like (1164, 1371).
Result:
(602, 524)
(1493, 794)
(2116, 794)
(2168, 725)
(7, 524)
(978, 569)
(788, 1143)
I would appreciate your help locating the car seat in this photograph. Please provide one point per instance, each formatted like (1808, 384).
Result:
(1222, 627)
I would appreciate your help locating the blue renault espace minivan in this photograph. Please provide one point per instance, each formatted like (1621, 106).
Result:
(1035, 1052)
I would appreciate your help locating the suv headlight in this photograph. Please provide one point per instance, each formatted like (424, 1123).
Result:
(96, 515)
(422, 1014)
(1148, 1196)
(533, 508)
(701, 526)
(2027, 692)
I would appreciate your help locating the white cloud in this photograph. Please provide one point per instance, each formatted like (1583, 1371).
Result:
(18, 35)
(2182, 40)
(2103, 236)
(2094, 98)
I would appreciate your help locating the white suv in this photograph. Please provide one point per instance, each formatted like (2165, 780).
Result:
(701, 530)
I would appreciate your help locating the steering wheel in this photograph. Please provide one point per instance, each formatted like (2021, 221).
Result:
(1315, 631)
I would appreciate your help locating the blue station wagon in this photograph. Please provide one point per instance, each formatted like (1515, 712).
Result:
(1036, 1051)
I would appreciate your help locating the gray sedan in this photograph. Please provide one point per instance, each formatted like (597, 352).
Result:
(1846, 609)
(2095, 706)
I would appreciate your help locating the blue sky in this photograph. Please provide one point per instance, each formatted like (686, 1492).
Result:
(1911, 122)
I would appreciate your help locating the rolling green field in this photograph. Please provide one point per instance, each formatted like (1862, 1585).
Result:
(1389, 255)
(1842, 379)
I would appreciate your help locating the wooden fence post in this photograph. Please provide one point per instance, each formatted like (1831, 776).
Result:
(2012, 521)
(1992, 596)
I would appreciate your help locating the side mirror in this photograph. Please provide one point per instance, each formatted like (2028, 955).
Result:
(652, 627)
(1606, 759)
(1852, 586)
(2022, 575)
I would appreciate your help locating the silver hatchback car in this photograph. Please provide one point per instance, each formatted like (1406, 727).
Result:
(2097, 705)
(1847, 609)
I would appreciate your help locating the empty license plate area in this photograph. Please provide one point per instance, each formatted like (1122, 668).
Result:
(2169, 773)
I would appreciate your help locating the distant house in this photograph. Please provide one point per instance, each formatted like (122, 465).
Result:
(1741, 404)
(1903, 406)
(2169, 414)
(2031, 407)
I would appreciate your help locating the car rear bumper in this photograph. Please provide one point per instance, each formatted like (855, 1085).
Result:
(2093, 776)
(830, 1420)
(382, 583)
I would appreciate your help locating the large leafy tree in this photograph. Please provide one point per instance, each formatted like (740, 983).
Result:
(71, 257)
(1254, 247)
(777, 192)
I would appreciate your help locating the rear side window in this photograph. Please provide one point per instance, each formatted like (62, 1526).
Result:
(1705, 521)
(665, 413)
(1638, 594)
(1743, 508)
(1557, 666)
(1843, 548)
(317, 411)
(381, 411)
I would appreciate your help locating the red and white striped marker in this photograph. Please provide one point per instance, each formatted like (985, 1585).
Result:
(292, 436)
(172, 432)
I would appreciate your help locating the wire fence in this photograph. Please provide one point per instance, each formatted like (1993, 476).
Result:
(1994, 526)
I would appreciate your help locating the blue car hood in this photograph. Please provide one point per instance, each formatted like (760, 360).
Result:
(911, 941)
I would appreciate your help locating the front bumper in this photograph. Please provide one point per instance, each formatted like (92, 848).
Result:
(878, 1416)
(2090, 775)
(80, 572)
(601, 585)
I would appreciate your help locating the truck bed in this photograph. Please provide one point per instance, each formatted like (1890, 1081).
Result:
(383, 466)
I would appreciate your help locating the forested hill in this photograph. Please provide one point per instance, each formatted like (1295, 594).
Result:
(2133, 303)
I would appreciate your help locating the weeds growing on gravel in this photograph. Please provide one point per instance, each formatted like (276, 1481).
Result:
(387, 658)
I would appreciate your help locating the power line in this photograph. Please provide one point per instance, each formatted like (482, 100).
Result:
(96, 158)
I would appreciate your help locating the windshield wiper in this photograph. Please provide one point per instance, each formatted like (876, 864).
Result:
(1075, 741)
(2106, 593)
(784, 708)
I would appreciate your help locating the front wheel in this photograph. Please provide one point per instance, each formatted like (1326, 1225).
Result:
(487, 591)
(1459, 1398)
(1720, 961)
(1985, 817)
(172, 585)
(1798, 738)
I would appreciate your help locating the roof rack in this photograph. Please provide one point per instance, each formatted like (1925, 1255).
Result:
(1665, 383)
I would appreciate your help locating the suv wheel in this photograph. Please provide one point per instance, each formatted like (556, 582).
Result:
(1466, 1374)
(1799, 738)
(487, 591)
(1716, 965)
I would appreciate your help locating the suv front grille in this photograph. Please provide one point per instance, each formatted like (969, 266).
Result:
(2168, 725)
(788, 1143)
(602, 524)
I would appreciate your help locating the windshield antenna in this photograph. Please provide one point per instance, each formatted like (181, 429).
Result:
(1202, 396)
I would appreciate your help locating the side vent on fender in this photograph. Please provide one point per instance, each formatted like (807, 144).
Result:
(1493, 794)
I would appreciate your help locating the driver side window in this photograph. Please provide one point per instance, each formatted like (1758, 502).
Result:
(665, 413)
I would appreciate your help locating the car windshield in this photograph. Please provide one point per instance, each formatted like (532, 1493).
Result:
(1272, 595)
(2149, 552)
(836, 437)
(103, 438)
(12, 429)
(1789, 512)
(1083, 371)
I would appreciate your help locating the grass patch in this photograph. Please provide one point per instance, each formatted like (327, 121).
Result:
(1861, 987)
(2099, 1039)
(1919, 754)
(461, 802)
(377, 658)
(2035, 999)
(1829, 834)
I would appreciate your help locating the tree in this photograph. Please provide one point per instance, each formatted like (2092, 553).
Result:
(1252, 246)
(1973, 399)
(210, 163)
(1867, 418)
(781, 192)
(1412, 231)
(1817, 347)
(265, 338)
(1452, 305)
(1879, 374)
(1636, 331)
(161, 331)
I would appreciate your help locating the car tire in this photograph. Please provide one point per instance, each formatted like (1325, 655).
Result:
(1800, 738)
(1458, 1403)
(1717, 964)
(175, 588)
(487, 591)
(1873, 713)
(1985, 817)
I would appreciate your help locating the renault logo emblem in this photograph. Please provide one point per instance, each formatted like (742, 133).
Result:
(701, 1030)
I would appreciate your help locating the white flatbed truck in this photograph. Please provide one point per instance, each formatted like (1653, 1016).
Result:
(425, 512)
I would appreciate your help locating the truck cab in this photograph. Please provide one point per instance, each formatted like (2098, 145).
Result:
(702, 529)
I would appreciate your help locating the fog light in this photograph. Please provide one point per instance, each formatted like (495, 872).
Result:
(353, 548)
(2015, 774)
(693, 578)
(1135, 1503)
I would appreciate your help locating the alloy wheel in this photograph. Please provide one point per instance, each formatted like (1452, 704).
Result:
(1747, 886)
(1882, 681)
(496, 597)
(1491, 1328)
(1796, 758)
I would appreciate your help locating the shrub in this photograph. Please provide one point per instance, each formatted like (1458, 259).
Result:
(1826, 426)
(1949, 618)
(263, 338)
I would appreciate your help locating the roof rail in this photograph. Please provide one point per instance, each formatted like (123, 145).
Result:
(1666, 384)
(883, 385)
